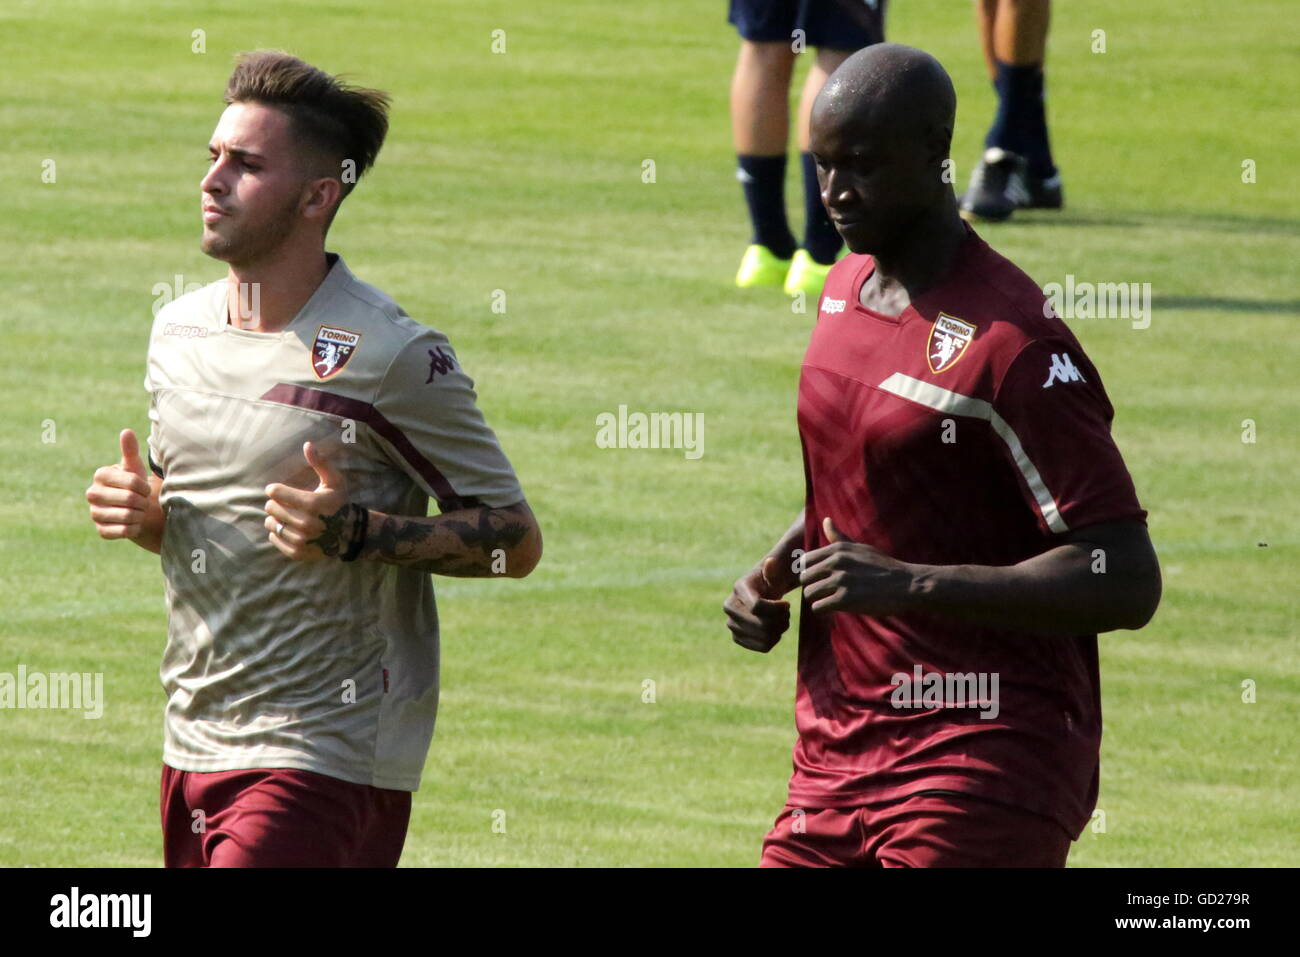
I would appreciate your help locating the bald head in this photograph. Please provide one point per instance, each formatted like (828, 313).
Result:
(889, 89)
(881, 131)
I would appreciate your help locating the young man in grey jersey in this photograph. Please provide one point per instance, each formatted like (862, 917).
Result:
(300, 422)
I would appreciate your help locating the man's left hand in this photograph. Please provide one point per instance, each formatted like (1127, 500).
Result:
(310, 526)
(853, 577)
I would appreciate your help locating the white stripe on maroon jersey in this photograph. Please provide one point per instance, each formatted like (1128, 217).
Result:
(944, 400)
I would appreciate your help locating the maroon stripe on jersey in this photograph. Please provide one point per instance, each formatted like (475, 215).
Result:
(331, 403)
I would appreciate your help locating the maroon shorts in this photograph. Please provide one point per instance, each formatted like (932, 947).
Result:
(279, 817)
(923, 830)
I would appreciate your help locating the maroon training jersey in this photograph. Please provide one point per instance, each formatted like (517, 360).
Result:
(970, 429)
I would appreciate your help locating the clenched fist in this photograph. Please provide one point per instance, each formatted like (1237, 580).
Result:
(757, 613)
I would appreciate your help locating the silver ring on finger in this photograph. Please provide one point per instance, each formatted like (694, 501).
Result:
(279, 530)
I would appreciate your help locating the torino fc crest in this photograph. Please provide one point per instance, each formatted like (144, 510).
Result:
(332, 350)
(949, 337)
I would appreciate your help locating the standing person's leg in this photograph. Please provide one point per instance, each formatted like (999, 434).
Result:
(820, 237)
(760, 128)
(985, 14)
(1017, 169)
(760, 98)
(826, 63)
(837, 28)
(1019, 52)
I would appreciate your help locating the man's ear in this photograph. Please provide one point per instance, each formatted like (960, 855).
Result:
(321, 197)
(940, 144)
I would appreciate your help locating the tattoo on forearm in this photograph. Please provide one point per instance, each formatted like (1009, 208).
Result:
(447, 546)
(494, 530)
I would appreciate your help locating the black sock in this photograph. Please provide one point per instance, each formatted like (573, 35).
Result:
(763, 179)
(820, 237)
(1020, 125)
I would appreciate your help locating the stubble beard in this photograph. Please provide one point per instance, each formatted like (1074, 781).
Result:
(247, 245)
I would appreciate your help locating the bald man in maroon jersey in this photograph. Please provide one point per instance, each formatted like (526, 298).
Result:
(969, 524)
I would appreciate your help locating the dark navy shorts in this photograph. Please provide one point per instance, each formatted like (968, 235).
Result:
(834, 24)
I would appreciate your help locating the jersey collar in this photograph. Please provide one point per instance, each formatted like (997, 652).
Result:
(335, 279)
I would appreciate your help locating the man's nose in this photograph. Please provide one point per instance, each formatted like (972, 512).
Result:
(212, 182)
(833, 193)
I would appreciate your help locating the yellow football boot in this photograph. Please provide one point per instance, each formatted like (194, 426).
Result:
(806, 275)
(761, 267)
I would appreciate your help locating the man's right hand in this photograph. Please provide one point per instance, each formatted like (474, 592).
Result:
(119, 495)
(757, 613)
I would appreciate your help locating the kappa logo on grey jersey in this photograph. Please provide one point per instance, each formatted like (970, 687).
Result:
(440, 363)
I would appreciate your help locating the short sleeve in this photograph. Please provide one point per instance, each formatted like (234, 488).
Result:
(430, 423)
(1054, 417)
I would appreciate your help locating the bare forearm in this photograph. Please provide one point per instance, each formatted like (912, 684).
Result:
(1069, 590)
(468, 543)
(150, 539)
(151, 528)
(783, 551)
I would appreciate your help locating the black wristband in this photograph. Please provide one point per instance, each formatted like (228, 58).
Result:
(359, 529)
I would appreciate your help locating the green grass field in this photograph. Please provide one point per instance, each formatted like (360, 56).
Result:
(521, 171)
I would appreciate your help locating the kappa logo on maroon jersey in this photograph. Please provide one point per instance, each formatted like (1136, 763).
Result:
(1063, 370)
(949, 337)
(332, 350)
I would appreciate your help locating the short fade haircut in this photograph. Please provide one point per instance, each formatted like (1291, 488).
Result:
(340, 121)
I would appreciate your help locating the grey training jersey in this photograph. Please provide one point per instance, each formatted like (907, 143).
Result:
(273, 663)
